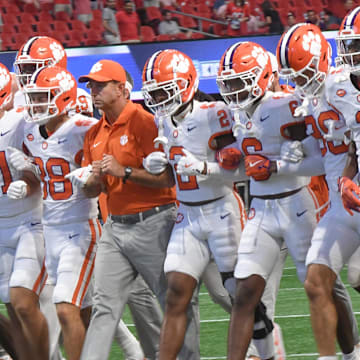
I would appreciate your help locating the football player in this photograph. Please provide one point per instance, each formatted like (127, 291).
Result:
(36, 53)
(283, 208)
(305, 58)
(55, 140)
(211, 215)
(22, 245)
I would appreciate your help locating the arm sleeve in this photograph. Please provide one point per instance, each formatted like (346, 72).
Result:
(215, 170)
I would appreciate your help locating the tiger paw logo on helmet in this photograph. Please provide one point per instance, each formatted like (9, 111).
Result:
(260, 55)
(65, 81)
(57, 50)
(312, 42)
(96, 67)
(180, 63)
(4, 78)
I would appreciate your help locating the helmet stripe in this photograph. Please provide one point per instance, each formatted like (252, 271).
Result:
(350, 19)
(228, 58)
(35, 75)
(28, 45)
(284, 61)
(150, 66)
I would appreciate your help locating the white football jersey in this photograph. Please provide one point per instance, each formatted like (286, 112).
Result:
(334, 153)
(56, 156)
(345, 97)
(195, 133)
(12, 134)
(263, 133)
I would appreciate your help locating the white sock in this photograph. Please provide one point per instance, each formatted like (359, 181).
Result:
(128, 342)
(333, 357)
(351, 356)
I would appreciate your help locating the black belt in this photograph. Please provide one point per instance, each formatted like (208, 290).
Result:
(141, 216)
(277, 196)
(200, 203)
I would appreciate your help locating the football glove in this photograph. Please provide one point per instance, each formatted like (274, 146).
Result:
(336, 131)
(257, 167)
(229, 158)
(303, 109)
(155, 163)
(292, 151)
(80, 176)
(17, 190)
(349, 194)
(189, 165)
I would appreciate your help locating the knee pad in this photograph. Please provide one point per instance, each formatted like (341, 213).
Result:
(229, 282)
(263, 325)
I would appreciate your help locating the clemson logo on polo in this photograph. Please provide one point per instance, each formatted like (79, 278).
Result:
(124, 139)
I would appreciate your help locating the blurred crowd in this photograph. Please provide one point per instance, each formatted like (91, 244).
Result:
(97, 22)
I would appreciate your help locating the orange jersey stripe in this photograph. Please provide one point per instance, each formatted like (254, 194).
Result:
(242, 210)
(85, 266)
(40, 279)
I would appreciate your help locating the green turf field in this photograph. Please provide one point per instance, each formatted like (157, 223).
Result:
(292, 313)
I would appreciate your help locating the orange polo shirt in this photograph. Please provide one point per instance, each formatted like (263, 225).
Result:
(129, 139)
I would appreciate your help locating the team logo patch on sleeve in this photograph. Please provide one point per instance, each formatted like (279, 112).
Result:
(30, 137)
(341, 92)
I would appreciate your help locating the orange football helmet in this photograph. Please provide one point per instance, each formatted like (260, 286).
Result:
(51, 91)
(5, 86)
(304, 56)
(244, 74)
(170, 80)
(36, 53)
(348, 41)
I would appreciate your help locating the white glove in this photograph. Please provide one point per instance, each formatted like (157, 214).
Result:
(292, 151)
(155, 163)
(302, 110)
(80, 176)
(335, 133)
(17, 190)
(21, 162)
(189, 165)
